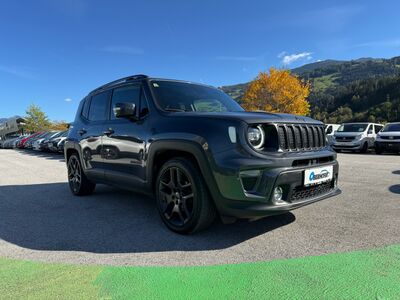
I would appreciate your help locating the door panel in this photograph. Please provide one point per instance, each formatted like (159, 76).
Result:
(91, 145)
(125, 142)
(123, 150)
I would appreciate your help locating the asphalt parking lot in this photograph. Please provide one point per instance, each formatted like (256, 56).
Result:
(40, 219)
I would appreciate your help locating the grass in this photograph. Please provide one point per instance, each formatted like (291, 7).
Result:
(321, 84)
(372, 274)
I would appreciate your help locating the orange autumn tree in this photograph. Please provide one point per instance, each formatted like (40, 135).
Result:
(59, 125)
(279, 91)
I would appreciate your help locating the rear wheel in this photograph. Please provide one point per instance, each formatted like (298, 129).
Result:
(79, 184)
(183, 200)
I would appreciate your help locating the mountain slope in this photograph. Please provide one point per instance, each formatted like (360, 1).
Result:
(335, 83)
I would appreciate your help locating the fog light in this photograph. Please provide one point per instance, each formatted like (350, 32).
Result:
(278, 194)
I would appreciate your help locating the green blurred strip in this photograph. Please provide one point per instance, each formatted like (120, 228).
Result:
(31, 280)
(372, 274)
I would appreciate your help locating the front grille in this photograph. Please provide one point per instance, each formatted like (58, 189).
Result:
(312, 161)
(390, 137)
(303, 193)
(293, 137)
(345, 138)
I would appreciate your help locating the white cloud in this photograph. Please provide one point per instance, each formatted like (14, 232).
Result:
(67, 99)
(123, 50)
(288, 59)
(282, 54)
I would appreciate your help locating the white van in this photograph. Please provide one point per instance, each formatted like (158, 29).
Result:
(330, 130)
(355, 136)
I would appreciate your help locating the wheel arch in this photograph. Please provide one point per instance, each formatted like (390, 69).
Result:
(162, 151)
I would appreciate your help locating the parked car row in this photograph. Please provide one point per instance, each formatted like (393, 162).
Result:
(364, 136)
(53, 141)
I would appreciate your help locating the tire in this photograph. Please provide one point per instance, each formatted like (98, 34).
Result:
(79, 184)
(364, 148)
(183, 200)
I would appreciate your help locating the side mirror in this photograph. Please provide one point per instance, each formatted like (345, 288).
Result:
(125, 110)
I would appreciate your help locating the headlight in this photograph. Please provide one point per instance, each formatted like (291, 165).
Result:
(256, 136)
(359, 136)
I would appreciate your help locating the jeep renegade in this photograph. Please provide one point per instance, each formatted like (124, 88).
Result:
(198, 152)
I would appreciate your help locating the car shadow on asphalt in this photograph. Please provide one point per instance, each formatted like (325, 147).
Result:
(49, 217)
(43, 154)
(397, 172)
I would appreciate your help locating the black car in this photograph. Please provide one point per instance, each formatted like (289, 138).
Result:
(198, 152)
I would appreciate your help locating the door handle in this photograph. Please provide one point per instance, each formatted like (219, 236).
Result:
(82, 131)
(108, 132)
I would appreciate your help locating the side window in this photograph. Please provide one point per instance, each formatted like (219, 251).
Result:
(98, 107)
(85, 109)
(126, 94)
(329, 130)
(378, 128)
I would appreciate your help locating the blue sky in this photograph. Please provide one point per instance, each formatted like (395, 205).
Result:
(52, 53)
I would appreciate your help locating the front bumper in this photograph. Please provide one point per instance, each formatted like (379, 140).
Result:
(240, 200)
(388, 146)
(355, 145)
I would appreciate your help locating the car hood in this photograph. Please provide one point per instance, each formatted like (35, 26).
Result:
(250, 117)
(346, 134)
(389, 133)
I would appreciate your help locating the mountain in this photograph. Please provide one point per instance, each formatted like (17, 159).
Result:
(317, 65)
(335, 83)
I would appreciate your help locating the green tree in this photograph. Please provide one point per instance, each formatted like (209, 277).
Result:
(36, 119)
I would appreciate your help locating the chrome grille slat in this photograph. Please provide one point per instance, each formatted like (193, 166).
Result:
(299, 137)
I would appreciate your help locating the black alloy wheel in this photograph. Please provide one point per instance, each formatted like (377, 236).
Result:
(183, 200)
(78, 182)
(176, 191)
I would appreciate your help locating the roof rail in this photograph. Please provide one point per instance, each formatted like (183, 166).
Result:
(121, 80)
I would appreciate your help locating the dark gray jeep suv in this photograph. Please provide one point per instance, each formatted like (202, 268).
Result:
(198, 152)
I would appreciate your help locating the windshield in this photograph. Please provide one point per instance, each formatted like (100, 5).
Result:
(352, 127)
(183, 96)
(391, 127)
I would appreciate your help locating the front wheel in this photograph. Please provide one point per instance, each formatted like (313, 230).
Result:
(183, 200)
(364, 148)
(78, 182)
